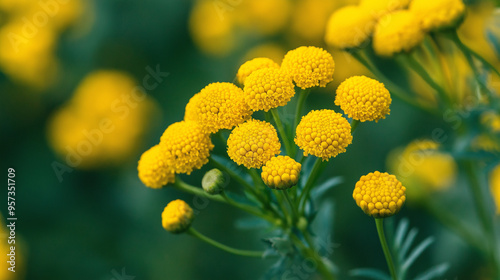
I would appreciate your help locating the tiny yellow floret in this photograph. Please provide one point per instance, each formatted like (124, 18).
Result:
(281, 172)
(379, 195)
(323, 133)
(154, 170)
(363, 99)
(218, 106)
(309, 66)
(268, 88)
(177, 216)
(185, 146)
(253, 143)
(396, 32)
(438, 14)
(253, 65)
(349, 27)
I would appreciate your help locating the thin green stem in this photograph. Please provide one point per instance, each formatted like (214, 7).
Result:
(380, 230)
(311, 252)
(392, 87)
(245, 253)
(181, 185)
(304, 196)
(282, 132)
(300, 106)
(354, 125)
(249, 209)
(293, 208)
(285, 212)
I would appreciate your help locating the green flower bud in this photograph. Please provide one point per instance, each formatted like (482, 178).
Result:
(213, 181)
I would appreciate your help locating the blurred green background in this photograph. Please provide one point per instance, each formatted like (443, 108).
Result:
(94, 222)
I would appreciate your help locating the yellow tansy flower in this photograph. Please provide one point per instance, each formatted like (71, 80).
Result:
(349, 27)
(281, 172)
(495, 186)
(438, 14)
(253, 143)
(268, 88)
(153, 169)
(177, 216)
(323, 133)
(218, 106)
(379, 195)
(396, 32)
(251, 66)
(185, 146)
(378, 8)
(309, 66)
(363, 99)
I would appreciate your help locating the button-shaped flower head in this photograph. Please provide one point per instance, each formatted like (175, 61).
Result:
(379, 8)
(309, 66)
(349, 27)
(438, 14)
(253, 65)
(185, 146)
(363, 99)
(281, 172)
(323, 133)
(177, 216)
(396, 32)
(379, 195)
(154, 170)
(268, 88)
(253, 143)
(218, 106)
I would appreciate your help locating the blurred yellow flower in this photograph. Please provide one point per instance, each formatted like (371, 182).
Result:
(281, 172)
(438, 14)
(262, 16)
(396, 32)
(363, 99)
(308, 21)
(323, 133)
(309, 66)
(379, 195)
(379, 8)
(218, 106)
(153, 168)
(185, 146)
(495, 186)
(268, 88)
(273, 51)
(253, 143)
(349, 27)
(103, 123)
(177, 216)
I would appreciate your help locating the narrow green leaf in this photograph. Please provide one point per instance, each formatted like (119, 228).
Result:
(417, 252)
(434, 272)
(371, 273)
(407, 243)
(400, 233)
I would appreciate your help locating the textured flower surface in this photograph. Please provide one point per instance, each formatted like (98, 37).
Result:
(323, 133)
(154, 171)
(253, 143)
(379, 195)
(309, 66)
(349, 27)
(438, 14)
(253, 65)
(495, 186)
(218, 106)
(177, 216)
(363, 99)
(185, 146)
(379, 8)
(268, 88)
(281, 172)
(396, 32)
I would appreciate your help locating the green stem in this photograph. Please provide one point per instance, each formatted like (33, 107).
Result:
(304, 196)
(245, 253)
(432, 51)
(354, 124)
(310, 251)
(380, 230)
(279, 199)
(484, 215)
(249, 209)
(181, 185)
(295, 215)
(392, 87)
(282, 132)
(300, 106)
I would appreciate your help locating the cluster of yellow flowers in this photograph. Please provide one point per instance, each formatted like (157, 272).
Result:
(90, 134)
(28, 37)
(396, 26)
